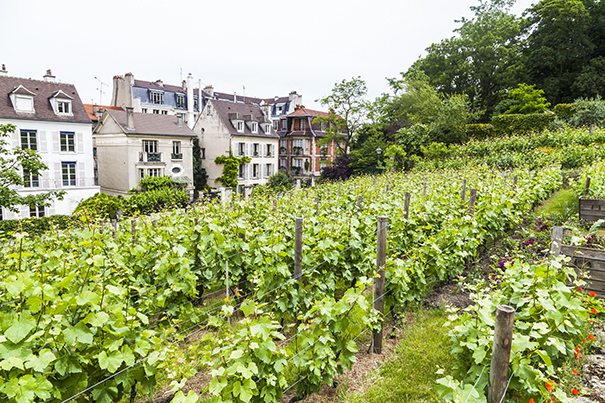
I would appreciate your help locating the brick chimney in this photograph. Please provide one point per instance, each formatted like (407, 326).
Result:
(129, 117)
(209, 90)
(48, 77)
(3, 72)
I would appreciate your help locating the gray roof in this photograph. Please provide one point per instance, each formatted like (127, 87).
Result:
(42, 91)
(152, 124)
(229, 111)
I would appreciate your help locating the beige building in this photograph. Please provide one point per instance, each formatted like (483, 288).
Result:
(244, 129)
(131, 146)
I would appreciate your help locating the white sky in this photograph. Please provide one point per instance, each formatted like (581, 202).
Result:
(270, 47)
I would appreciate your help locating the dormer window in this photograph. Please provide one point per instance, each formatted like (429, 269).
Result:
(64, 107)
(302, 124)
(254, 127)
(240, 126)
(156, 97)
(23, 99)
(180, 100)
(61, 103)
(268, 128)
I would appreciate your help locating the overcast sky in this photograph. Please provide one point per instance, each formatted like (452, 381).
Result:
(270, 47)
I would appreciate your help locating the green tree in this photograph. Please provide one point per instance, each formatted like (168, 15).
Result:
(199, 174)
(524, 99)
(15, 165)
(588, 112)
(482, 60)
(280, 181)
(347, 113)
(365, 158)
(231, 165)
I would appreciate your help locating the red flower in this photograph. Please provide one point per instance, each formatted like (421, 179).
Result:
(575, 391)
(531, 401)
(584, 340)
(548, 387)
(574, 372)
(579, 288)
(592, 294)
(579, 346)
(591, 321)
(593, 310)
(591, 337)
(577, 350)
(586, 301)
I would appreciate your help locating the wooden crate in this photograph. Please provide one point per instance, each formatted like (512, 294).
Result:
(592, 210)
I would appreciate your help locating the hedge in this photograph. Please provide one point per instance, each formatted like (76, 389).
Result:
(522, 123)
(37, 226)
(480, 131)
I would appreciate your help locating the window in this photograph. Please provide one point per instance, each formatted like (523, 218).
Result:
(176, 170)
(302, 124)
(298, 162)
(141, 173)
(24, 103)
(155, 172)
(284, 124)
(63, 107)
(240, 126)
(164, 112)
(157, 97)
(268, 128)
(144, 110)
(241, 147)
(256, 147)
(28, 140)
(240, 171)
(298, 143)
(30, 180)
(255, 170)
(156, 112)
(268, 150)
(150, 146)
(176, 150)
(69, 173)
(269, 169)
(195, 102)
(280, 109)
(282, 162)
(67, 141)
(180, 100)
(276, 124)
(209, 110)
(254, 127)
(36, 211)
(203, 153)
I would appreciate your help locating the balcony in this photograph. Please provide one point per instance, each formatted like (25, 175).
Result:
(176, 156)
(154, 157)
(282, 150)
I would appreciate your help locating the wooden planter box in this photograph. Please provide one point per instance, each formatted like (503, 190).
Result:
(592, 210)
(589, 263)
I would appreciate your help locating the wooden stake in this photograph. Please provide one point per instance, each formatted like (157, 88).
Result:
(360, 203)
(114, 224)
(587, 189)
(515, 179)
(503, 337)
(463, 191)
(381, 256)
(424, 189)
(471, 202)
(298, 244)
(406, 205)
(556, 240)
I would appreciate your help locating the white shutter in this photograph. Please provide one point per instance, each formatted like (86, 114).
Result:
(247, 149)
(42, 140)
(58, 175)
(45, 180)
(16, 139)
(81, 179)
(247, 171)
(80, 142)
(24, 211)
(56, 144)
(51, 209)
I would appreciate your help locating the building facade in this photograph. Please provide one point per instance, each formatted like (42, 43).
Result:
(50, 119)
(130, 146)
(300, 151)
(243, 129)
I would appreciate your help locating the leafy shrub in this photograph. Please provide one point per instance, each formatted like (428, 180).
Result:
(37, 226)
(522, 124)
(280, 181)
(564, 111)
(480, 131)
(99, 206)
(588, 112)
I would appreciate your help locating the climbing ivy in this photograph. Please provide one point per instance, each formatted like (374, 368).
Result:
(231, 164)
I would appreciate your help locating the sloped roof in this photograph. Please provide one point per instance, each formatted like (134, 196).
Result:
(151, 124)
(42, 91)
(91, 112)
(225, 108)
(165, 87)
(302, 111)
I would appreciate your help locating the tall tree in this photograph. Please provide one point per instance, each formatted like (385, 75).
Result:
(482, 61)
(348, 111)
(21, 167)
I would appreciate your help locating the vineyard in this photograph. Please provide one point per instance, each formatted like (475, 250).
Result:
(100, 313)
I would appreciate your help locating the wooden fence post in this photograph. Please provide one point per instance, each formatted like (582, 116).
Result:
(133, 231)
(374, 180)
(114, 224)
(338, 189)
(101, 226)
(503, 337)
(471, 202)
(463, 191)
(406, 205)
(381, 256)
(515, 179)
(360, 203)
(387, 189)
(424, 188)
(587, 188)
(298, 244)
(556, 240)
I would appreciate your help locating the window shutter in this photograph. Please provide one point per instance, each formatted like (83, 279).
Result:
(16, 139)
(42, 141)
(51, 209)
(81, 178)
(45, 182)
(247, 171)
(58, 175)
(56, 144)
(248, 150)
(80, 142)
(24, 211)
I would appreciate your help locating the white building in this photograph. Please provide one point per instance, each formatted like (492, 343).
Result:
(131, 146)
(51, 119)
(243, 129)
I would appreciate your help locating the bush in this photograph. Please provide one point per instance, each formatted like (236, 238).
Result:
(37, 226)
(564, 111)
(480, 131)
(588, 112)
(99, 206)
(522, 124)
(280, 181)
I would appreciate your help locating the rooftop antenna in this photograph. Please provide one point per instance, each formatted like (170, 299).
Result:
(100, 89)
(181, 74)
(244, 87)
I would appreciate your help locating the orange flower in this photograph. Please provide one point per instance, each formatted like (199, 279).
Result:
(579, 346)
(531, 401)
(591, 337)
(580, 289)
(591, 321)
(574, 372)
(577, 350)
(586, 301)
(584, 340)
(548, 387)
(575, 391)
(593, 310)
(592, 294)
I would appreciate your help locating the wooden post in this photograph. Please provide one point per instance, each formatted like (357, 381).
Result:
(515, 179)
(424, 189)
(360, 203)
(406, 205)
(374, 181)
(227, 279)
(114, 224)
(387, 189)
(463, 191)
(381, 257)
(587, 188)
(503, 337)
(274, 204)
(306, 193)
(101, 226)
(471, 202)
(133, 231)
(339, 189)
(556, 240)
(298, 244)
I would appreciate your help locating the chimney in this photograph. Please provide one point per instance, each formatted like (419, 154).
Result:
(179, 121)
(48, 77)
(159, 83)
(95, 108)
(209, 90)
(184, 85)
(190, 120)
(3, 72)
(129, 78)
(234, 97)
(129, 117)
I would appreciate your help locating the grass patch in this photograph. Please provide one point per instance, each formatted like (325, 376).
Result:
(410, 375)
(561, 207)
